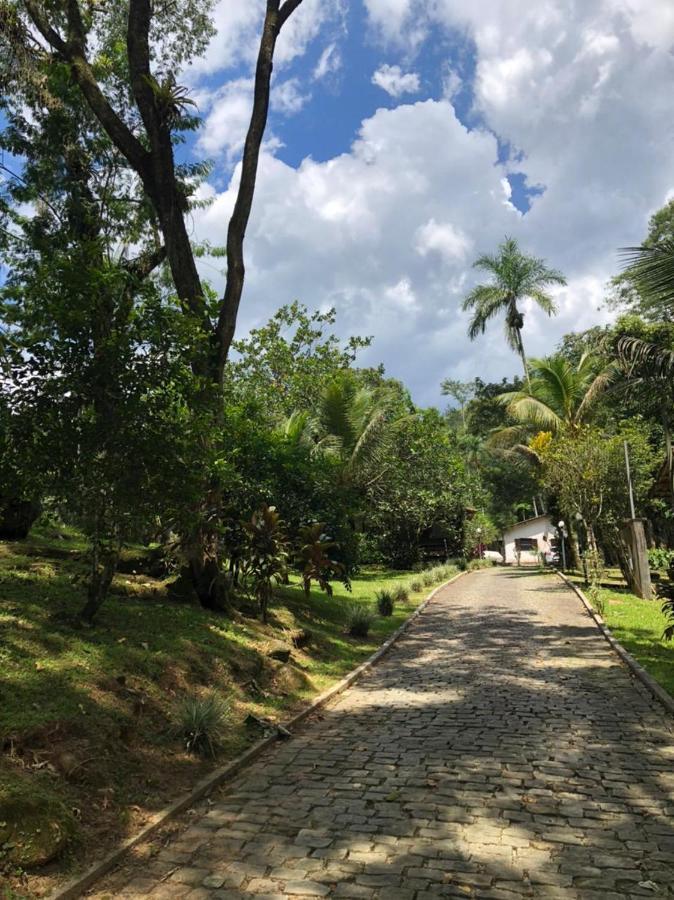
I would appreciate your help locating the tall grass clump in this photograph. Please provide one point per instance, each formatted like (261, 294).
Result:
(417, 585)
(202, 723)
(401, 593)
(359, 619)
(385, 602)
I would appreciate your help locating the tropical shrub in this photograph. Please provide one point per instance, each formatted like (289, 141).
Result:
(316, 560)
(359, 619)
(266, 555)
(659, 558)
(202, 724)
(385, 602)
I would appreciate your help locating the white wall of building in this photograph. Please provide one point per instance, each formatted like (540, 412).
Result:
(540, 529)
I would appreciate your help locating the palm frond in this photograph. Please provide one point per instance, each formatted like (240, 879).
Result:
(637, 352)
(544, 301)
(597, 388)
(652, 271)
(506, 438)
(533, 411)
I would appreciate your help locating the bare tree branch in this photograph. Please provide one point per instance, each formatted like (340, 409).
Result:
(286, 11)
(144, 265)
(236, 232)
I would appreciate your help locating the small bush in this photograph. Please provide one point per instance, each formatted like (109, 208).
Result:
(462, 564)
(480, 564)
(401, 594)
(385, 603)
(201, 724)
(359, 619)
(659, 558)
(428, 578)
(416, 585)
(596, 599)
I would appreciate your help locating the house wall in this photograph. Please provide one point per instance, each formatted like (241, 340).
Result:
(541, 530)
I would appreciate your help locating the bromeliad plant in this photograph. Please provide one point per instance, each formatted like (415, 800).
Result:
(315, 559)
(266, 555)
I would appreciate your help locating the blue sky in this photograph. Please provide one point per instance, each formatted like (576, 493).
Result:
(336, 105)
(437, 129)
(408, 136)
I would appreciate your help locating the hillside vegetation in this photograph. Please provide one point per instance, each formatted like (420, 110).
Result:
(88, 716)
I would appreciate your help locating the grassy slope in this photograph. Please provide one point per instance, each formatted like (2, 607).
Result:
(638, 625)
(87, 715)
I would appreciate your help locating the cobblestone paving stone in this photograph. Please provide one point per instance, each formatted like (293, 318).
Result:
(499, 751)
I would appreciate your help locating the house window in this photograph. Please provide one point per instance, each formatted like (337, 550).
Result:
(523, 544)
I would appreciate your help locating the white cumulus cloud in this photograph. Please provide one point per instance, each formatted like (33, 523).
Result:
(387, 230)
(396, 82)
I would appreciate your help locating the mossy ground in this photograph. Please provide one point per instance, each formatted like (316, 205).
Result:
(88, 714)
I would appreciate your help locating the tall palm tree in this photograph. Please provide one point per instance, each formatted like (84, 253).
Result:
(515, 276)
(560, 395)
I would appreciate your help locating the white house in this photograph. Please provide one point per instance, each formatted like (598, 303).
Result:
(529, 538)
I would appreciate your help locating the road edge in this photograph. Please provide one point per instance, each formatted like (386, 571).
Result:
(76, 886)
(637, 669)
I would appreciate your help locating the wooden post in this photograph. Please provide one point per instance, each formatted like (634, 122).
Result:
(634, 535)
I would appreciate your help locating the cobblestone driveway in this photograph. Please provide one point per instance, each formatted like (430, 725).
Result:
(499, 751)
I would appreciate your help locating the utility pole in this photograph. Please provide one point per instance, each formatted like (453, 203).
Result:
(629, 480)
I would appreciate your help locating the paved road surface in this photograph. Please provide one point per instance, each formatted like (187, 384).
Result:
(499, 751)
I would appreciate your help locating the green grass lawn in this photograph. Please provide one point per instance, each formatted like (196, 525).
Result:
(86, 715)
(637, 624)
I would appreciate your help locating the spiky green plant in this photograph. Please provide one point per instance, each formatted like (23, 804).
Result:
(385, 602)
(359, 619)
(202, 723)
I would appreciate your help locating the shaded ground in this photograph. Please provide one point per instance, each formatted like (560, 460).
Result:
(500, 750)
(87, 716)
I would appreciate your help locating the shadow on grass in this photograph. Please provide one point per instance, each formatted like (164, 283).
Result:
(104, 700)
